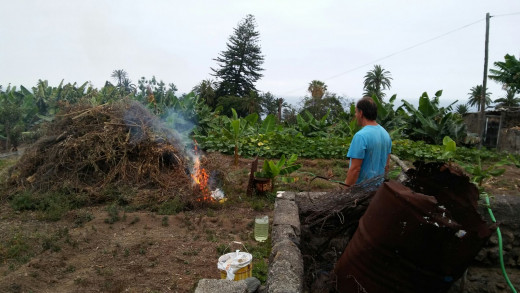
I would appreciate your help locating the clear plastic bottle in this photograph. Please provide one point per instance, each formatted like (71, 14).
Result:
(261, 228)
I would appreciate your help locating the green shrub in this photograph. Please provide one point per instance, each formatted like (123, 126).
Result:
(171, 207)
(113, 214)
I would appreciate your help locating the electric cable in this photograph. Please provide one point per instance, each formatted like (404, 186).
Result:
(397, 52)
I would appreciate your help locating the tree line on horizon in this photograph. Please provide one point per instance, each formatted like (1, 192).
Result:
(238, 68)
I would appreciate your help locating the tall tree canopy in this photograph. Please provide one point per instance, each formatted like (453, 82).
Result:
(507, 73)
(509, 101)
(321, 102)
(475, 96)
(377, 80)
(240, 65)
(317, 89)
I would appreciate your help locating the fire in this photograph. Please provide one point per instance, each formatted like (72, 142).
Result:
(200, 178)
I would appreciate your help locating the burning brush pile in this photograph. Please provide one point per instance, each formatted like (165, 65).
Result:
(86, 149)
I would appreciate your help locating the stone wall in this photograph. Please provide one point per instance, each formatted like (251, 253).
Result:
(509, 132)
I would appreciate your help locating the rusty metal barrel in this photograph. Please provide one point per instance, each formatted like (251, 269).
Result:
(411, 241)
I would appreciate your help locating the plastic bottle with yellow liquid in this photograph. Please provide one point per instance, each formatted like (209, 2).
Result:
(261, 228)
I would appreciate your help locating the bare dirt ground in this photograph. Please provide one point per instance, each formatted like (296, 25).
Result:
(144, 251)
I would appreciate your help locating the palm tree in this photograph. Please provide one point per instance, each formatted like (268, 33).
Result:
(206, 91)
(507, 73)
(475, 97)
(119, 75)
(509, 101)
(377, 80)
(462, 109)
(317, 89)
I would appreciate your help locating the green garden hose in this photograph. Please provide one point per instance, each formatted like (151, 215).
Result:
(501, 254)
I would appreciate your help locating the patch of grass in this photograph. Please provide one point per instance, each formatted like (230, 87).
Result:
(70, 269)
(82, 217)
(164, 221)
(221, 249)
(52, 205)
(171, 207)
(191, 252)
(260, 252)
(51, 241)
(121, 195)
(113, 214)
(258, 204)
(211, 235)
(260, 270)
(17, 249)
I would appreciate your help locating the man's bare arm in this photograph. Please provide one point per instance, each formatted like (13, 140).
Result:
(353, 171)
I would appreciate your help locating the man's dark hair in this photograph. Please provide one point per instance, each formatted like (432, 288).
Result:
(368, 106)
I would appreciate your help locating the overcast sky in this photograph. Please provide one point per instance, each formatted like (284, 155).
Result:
(427, 45)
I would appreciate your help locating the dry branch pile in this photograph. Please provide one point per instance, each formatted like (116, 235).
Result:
(88, 148)
(328, 223)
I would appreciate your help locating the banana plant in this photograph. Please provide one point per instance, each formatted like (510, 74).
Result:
(283, 167)
(311, 126)
(480, 174)
(431, 123)
(237, 128)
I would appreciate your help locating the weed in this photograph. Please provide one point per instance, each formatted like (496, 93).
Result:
(102, 271)
(164, 221)
(260, 270)
(221, 249)
(50, 243)
(258, 205)
(16, 248)
(210, 213)
(191, 252)
(81, 218)
(187, 221)
(126, 253)
(53, 205)
(211, 235)
(119, 194)
(113, 214)
(171, 207)
(24, 201)
(260, 253)
(70, 269)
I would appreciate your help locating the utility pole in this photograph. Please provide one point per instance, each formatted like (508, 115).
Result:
(481, 116)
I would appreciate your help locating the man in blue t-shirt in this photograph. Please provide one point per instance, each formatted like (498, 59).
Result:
(370, 148)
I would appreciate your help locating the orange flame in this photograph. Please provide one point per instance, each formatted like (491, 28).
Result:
(200, 177)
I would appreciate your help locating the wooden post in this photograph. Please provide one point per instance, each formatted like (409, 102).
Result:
(251, 184)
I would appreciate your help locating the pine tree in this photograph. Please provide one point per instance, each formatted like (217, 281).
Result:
(240, 63)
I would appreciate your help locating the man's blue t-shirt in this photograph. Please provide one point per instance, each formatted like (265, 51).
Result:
(372, 144)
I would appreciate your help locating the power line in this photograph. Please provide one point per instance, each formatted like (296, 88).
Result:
(398, 52)
(507, 14)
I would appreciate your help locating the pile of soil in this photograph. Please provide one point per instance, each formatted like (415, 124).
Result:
(86, 149)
